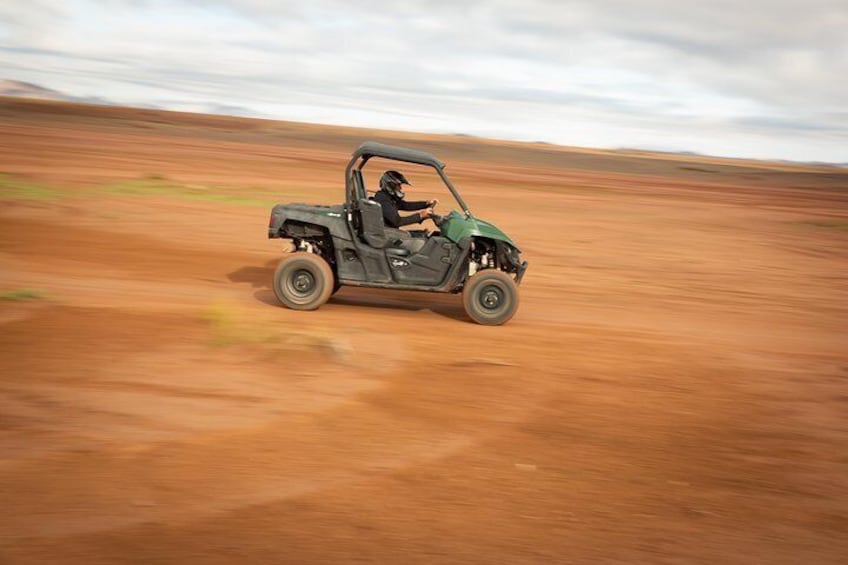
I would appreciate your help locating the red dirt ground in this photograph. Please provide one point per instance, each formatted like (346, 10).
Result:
(673, 389)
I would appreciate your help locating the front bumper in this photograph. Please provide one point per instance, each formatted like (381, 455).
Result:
(519, 273)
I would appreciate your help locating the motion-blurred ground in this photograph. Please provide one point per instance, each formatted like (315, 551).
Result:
(673, 389)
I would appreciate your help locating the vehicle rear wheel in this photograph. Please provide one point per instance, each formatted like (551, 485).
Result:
(303, 281)
(490, 297)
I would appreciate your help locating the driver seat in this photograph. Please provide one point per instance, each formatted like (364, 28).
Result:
(371, 223)
(374, 232)
(369, 215)
(372, 228)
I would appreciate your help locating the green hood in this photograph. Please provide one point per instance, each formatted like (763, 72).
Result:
(457, 228)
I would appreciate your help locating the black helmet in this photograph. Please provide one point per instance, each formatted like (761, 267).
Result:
(391, 182)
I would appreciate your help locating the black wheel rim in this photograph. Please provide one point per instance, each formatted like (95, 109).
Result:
(491, 298)
(301, 283)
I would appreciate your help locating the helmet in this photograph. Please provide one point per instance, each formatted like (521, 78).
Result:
(391, 182)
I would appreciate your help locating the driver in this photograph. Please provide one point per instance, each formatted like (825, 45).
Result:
(391, 199)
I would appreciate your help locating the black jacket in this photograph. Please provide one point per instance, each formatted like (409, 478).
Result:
(391, 204)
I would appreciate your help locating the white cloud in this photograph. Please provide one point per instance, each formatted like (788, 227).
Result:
(760, 79)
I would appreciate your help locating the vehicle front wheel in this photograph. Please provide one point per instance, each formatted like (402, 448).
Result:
(303, 281)
(490, 297)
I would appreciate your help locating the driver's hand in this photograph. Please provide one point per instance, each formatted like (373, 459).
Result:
(426, 213)
(432, 203)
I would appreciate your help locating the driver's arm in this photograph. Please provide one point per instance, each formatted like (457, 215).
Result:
(390, 213)
(411, 219)
(397, 220)
(413, 205)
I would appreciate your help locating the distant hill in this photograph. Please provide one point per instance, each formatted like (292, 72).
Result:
(26, 90)
(21, 89)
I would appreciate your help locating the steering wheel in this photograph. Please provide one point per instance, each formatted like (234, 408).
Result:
(437, 219)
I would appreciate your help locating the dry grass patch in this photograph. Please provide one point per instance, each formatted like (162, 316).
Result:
(230, 325)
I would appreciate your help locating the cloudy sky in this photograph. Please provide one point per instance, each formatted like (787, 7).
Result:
(754, 78)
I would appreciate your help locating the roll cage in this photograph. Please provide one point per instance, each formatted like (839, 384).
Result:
(355, 187)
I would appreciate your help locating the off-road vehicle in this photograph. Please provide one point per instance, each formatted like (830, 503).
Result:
(349, 244)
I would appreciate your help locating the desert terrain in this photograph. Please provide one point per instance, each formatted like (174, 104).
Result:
(673, 388)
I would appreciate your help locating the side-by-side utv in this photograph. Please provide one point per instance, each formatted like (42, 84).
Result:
(350, 245)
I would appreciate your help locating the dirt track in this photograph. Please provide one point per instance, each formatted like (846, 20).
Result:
(673, 389)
